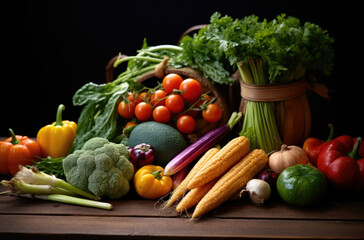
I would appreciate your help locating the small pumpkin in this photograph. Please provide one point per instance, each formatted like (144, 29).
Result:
(286, 157)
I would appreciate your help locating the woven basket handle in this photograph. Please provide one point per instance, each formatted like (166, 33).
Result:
(110, 68)
(191, 29)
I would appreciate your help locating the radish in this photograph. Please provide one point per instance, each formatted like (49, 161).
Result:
(201, 145)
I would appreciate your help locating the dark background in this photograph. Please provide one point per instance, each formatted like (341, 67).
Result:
(52, 48)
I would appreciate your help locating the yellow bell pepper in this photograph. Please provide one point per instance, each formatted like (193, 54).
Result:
(56, 139)
(150, 183)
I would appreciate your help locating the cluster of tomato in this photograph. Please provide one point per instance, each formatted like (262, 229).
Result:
(177, 99)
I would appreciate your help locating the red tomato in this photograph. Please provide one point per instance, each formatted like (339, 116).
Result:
(171, 81)
(158, 98)
(143, 97)
(161, 114)
(126, 110)
(132, 97)
(205, 98)
(186, 124)
(143, 111)
(191, 90)
(194, 113)
(212, 113)
(175, 103)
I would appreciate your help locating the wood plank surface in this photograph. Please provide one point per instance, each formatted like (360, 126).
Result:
(22, 218)
(83, 227)
(334, 210)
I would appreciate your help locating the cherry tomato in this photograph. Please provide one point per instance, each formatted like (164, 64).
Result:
(205, 98)
(158, 98)
(191, 89)
(171, 81)
(132, 97)
(143, 111)
(194, 112)
(129, 124)
(143, 97)
(126, 109)
(212, 113)
(186, 124)
(175, 103)
(161, 114)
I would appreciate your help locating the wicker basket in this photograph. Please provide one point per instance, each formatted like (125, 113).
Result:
(292, 109)
(219, 92)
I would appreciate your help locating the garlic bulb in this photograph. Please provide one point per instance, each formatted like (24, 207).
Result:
(259, 191)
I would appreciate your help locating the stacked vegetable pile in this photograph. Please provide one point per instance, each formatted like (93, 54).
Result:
(133, 135)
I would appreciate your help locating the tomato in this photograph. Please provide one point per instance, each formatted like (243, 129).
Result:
(191, 90)
(175, 103)
(161, 114)
(132, 97)
(143, 97)
(186, 124)
(129, 124)
(143, 111)
(197, 108)
(171, 81)
(205, 98)
(301, 185)
(158, 98)
(212, 113)
(126, 110)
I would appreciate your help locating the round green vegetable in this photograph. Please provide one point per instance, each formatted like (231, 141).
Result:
(100, 167)
(301, 185)
(166, 140)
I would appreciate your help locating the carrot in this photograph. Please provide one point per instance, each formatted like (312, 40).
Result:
(194, 196)
(230, 154)
(182, 187)
(232, 181)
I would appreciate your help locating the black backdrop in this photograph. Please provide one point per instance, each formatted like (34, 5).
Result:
(52, 48)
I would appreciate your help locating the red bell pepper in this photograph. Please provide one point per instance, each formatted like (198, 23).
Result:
(349, 143)
(342, 167)
(312, 146)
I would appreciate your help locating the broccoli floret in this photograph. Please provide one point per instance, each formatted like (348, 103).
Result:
(100, 167)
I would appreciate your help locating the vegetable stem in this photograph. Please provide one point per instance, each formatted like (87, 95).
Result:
(259, 125)
(125, 59)
(331, 135)
(14, 140)
(20, 186)
(353, 153)
(74, 200)
(234, 119)
(34, 176)
(61, 107)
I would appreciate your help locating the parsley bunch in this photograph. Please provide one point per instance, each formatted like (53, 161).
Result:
(287, 48)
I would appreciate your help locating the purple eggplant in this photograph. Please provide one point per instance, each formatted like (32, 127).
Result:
(199, 147)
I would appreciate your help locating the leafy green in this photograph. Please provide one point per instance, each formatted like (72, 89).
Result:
(287, 48)
(99, 116)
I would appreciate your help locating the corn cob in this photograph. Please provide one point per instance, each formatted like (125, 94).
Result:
(194, 196)
(230, 154)
(182, 188)
(232, 181)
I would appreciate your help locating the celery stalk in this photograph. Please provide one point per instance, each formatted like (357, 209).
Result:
(259, 124)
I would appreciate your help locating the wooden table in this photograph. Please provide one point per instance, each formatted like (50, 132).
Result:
(135, 218)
